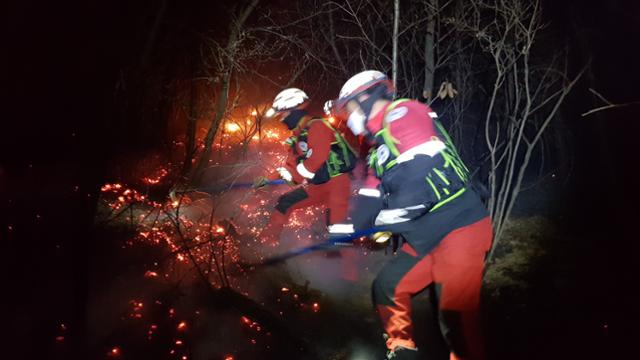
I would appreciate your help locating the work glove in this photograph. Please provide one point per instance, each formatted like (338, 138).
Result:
(337, 231)
(382, 239)
(285, 174)
(291, 140)
(260, 181)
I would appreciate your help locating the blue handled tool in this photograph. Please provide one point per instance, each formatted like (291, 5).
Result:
(330, 244)
(236, 185)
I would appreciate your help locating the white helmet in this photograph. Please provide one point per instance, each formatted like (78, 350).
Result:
(363, 82)
(289, 99)
(359, 83)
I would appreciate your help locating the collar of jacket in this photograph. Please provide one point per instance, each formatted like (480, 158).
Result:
(302, 125)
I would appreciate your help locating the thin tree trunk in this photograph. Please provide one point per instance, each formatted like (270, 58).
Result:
(192, 116)
(429, 56)
(153, 33)
(221, 104)
(396, 20)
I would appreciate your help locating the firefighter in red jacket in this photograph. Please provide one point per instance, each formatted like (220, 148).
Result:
(418, 190)
(319, 160)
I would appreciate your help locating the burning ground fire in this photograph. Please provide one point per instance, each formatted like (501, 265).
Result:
(204, 249)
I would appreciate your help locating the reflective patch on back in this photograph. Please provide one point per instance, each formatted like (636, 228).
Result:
(396, 114)
(382, 154)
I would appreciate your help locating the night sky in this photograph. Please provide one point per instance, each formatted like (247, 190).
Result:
(61, 62)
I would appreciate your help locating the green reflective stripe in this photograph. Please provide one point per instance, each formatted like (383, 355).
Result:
(441, 175)
(333, 162)
(339, 138)
(345, 153)
(450, 198)
(446, 191)
(433, 186)
(389, 140)
(452, 152)
(372, 158)
(443, 131)
(395, 103)
(373, 163)
(449, 160)
(390, 164)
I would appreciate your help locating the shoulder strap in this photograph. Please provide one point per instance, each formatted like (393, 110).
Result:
(390, 108)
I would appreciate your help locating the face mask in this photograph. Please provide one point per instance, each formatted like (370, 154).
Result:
(356, 122)
(293, 118)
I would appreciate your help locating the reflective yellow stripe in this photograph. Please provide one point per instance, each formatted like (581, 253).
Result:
(435, 191)
(441, 176)
(450, 198)
(391, 163)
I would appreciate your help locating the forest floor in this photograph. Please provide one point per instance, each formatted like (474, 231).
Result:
(534, 302)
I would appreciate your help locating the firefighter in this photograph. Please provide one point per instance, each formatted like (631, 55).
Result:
(319, 161)
(418, 190)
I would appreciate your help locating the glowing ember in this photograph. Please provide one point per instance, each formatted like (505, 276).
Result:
(332, 119)
(316, 307)
(60, 338)
(194, 241)
(232, 127)
(157, 178)
(178, 342)
(115, 351)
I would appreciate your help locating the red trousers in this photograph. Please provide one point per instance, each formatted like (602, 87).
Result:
(334, 196)
(455, 266)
